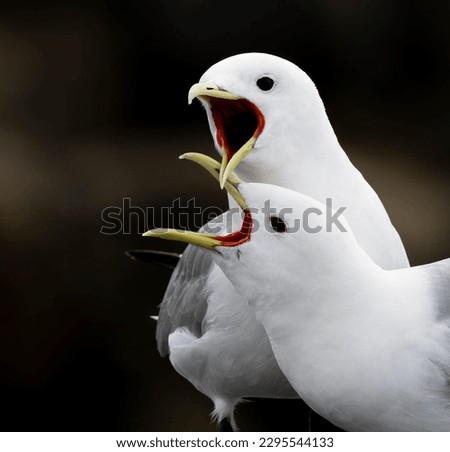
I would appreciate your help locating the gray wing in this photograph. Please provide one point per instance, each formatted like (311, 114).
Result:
(185, 301)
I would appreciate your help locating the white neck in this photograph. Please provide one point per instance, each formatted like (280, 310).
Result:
(312, 162)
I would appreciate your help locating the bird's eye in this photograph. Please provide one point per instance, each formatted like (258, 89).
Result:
(278, 225)
(265, 83)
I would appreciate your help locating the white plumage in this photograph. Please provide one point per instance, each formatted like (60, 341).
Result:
(366, 348)
(213, 338)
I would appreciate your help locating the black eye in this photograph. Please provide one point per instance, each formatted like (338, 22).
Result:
(278, 225)
(265, 83)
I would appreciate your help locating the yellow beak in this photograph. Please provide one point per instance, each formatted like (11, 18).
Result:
(204, 91)
(214, 168)
(227, 167)
(208, 241)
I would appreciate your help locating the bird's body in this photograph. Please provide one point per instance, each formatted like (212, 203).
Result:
(293, 146)
(366, 348)
(226, 362)
(223, 351)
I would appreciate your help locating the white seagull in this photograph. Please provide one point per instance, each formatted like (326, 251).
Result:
(269, 124)
(366, 348)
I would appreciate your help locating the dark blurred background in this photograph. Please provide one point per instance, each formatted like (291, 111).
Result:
(93, 109)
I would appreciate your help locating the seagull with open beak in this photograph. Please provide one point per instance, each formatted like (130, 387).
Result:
(367, 349)
(269, 125)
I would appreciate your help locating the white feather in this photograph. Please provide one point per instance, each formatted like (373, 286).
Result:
(299, 150)
(366, 348)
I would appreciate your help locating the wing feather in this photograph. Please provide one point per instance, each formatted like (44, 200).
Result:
(186, 298)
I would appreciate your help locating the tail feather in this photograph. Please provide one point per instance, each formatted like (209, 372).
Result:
(223, 414)
(183, 347)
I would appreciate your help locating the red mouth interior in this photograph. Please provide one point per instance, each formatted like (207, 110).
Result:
(241, 236)
(236, 122)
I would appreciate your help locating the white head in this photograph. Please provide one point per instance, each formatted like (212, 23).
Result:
(292, 242)
(288, 243)
(258, 106)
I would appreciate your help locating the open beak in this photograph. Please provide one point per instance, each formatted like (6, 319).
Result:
(238, 122)
(214, 168)
(211, 241)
